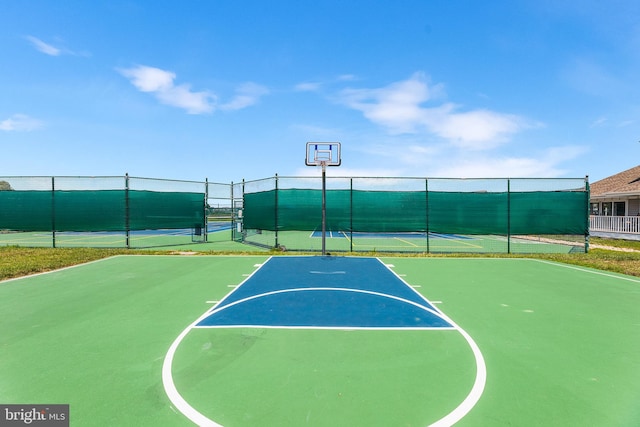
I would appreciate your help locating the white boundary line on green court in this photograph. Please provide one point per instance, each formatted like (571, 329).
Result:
(69, 267)
(434, 311)
(448, 420)
(170, 387)
(588, 270)
(167, 377)
(481, 368)
(12, 279)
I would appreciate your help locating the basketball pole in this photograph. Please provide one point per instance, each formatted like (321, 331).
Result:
(324, 206)
(323, 154)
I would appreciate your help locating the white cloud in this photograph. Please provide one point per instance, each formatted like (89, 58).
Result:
(182, 97)
(399, 107)
(20, 123)
(626, 123)
(501, 167)
(314, 132)
(161, 84)
(347, 172)
(396, 107)
(346, 77)
(51, 50)
(605, 122)
(547, 165)
(413, 157)
(43, 47)
(149, 79)
(316, 86)
(590, 77)
(308, 87)
(406, 155)
(478, 129)
(247, 94)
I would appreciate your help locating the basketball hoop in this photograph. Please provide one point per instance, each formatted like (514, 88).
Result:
(323, 154)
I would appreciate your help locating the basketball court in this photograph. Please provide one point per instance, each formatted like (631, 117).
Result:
(324, 341)
(277, 341)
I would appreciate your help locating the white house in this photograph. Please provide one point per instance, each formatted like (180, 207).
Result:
(615, 206)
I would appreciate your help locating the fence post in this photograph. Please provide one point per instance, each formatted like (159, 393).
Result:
(206, 210)
(426, 210)
(233, 211)
(351, 215)
(508, 215)
(587, 196)
(53, 211)
(276, 212)
(127, 223)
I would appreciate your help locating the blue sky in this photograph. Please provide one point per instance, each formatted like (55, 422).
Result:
(230, 90)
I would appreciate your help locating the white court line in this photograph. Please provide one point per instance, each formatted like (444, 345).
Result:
(327, 272)
(167, 378)
(586, 270)
(481, 368)
(13, 279)
(170, 388)
(476, 391)
(360, 291)
(198, 418)
(454, 416)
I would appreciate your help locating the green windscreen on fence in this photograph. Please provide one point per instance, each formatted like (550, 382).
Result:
(554, 212)
(164, 210)
(260, 210)
(389, 211)
(468, 213)
(26, 210)
(473, 213)
(100, 210)
(515, 215)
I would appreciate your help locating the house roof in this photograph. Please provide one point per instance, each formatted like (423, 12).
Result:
(623, 183)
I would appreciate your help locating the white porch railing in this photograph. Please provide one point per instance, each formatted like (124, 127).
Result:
(615, 224)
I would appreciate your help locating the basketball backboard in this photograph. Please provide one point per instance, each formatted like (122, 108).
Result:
(323, 153)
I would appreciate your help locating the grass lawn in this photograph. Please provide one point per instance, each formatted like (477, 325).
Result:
(20, 261)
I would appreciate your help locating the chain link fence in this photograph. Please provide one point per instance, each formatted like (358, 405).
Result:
(426, 215)
(418, 214)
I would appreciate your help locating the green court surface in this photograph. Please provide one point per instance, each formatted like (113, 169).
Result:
(560, 345)
(414, 242)
(297, 241)
(152, 239)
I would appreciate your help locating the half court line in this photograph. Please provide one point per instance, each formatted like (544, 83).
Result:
(448, 420)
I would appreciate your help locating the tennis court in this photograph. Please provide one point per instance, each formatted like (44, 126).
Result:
(324, 341)
(218, 233)
(219, 238)
(413, 242)
(430, 215)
